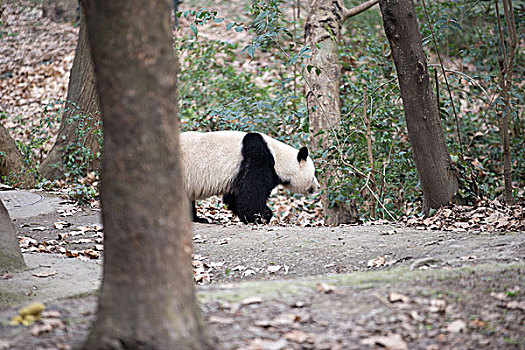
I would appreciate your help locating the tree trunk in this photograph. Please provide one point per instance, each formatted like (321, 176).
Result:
(12, 167)
(79, 133)
(322, 34)
(147, 300)
(11, 258)
(505, 65)
(438, 179)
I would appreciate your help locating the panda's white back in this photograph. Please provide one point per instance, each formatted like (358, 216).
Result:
(210, 161)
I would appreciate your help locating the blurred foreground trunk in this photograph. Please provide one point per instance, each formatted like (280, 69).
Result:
(147, 299)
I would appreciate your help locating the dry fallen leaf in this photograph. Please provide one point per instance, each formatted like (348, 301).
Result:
(264, 344)
(298, 336)
(273, 268)
(395, 297)
(248, 272)
(513, 305)
(437, 305)
(61, 224)
(47, 325)
(28, 315)
(4, 344)
(456, 326)
(500, 296)
(239, 268)
(376, 262)
(390, 342)
(45, 274)
(251, 300)
(325, 288)
(468, 257)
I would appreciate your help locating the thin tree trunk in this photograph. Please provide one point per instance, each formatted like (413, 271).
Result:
(322, 34)
(436, 174)
(11, 258)
(147, 300)
(505, 66)
(80, 124)
(12, 166)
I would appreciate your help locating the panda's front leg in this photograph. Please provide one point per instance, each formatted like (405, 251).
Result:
(251, 209)
(268, 215)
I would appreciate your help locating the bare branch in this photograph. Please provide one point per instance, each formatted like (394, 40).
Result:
(347, 13)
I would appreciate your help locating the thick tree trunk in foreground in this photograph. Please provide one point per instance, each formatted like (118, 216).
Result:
(438, 179)
(323, 33)
(12, 165)
(11, 258)
(80, 124)
(147, 300)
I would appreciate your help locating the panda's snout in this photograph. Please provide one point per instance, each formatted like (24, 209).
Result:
(315, 187)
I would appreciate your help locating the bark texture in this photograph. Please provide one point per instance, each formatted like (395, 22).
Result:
(438, 179)
(147, 299)
(322, 34)
(12, 166)
(11, 258)
(80, 122)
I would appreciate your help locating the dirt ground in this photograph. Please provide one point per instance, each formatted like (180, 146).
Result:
(267, 287)
(273, 287)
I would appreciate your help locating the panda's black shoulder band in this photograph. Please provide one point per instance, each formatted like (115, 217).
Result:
(253, 183)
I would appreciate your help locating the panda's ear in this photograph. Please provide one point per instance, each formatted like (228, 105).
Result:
(303, 154)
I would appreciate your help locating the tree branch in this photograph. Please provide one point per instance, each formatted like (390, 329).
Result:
(347, 13)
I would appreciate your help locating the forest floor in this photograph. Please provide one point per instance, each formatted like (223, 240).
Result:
(274, 287)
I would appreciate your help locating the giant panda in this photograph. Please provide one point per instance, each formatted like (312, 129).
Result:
(244, 168)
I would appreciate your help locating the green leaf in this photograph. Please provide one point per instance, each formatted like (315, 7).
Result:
(218, 20)
(239, 29)
(193, 28)
(229, 25)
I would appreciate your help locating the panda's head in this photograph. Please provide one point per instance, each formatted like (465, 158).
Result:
(301, 178)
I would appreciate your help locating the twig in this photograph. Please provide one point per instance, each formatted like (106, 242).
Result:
(505, 75)
(370, 155)
(437, 90)
(464, 76)
(373, 92)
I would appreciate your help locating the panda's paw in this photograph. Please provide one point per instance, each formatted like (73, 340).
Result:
(200, 220)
